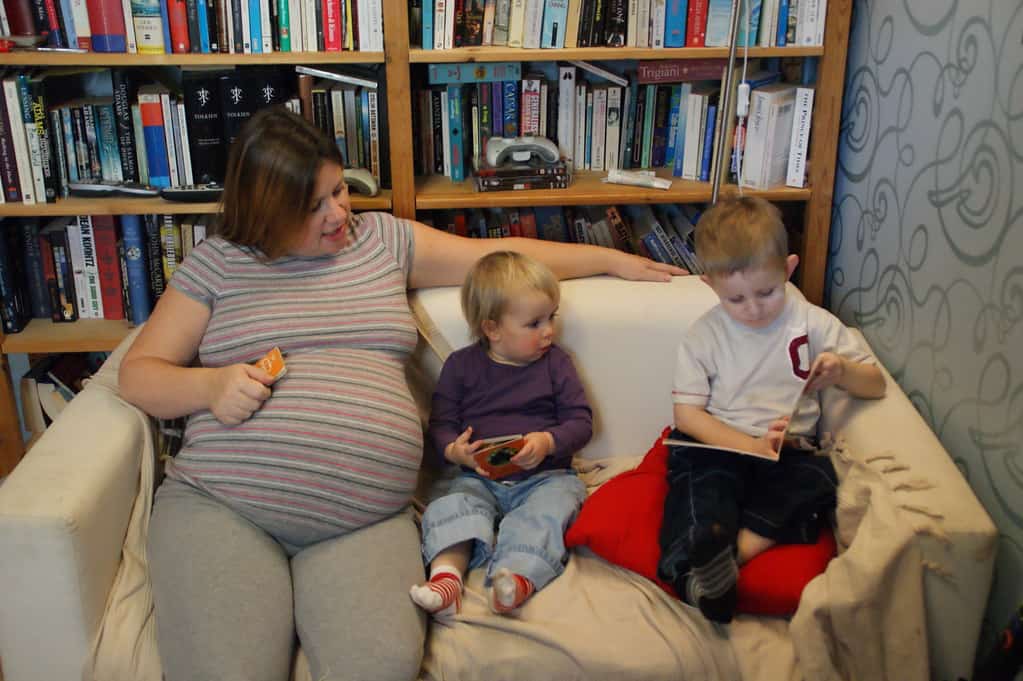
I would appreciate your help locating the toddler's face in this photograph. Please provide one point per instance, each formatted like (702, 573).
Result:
(754, 297)
(525, 331)
(326, 227)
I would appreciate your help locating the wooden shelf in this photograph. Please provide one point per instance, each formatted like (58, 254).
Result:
(145, 206)
(475, 54)
(437, 191)
(32, 58)
(87, 335)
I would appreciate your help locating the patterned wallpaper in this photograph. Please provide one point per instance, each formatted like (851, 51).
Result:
(927, 234)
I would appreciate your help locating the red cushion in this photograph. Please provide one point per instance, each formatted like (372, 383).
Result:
(621, 522)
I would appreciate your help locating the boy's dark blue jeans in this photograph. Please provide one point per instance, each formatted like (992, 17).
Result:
(786, 500)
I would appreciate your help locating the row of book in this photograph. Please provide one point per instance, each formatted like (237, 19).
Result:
(662, 232)
(662, 115)
(204, 26)
(91, 267)
(164, 127)
(444, 24)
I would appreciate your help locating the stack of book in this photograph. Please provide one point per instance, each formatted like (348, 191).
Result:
(511, 176)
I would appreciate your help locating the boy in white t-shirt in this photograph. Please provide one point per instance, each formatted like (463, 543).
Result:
(740, 368)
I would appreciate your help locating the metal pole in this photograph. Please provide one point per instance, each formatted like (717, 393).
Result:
(726, 98)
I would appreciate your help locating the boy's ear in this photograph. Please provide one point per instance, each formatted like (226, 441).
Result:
(791, 262)
(489, 328)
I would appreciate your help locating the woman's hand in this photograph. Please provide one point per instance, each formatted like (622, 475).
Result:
(237, 391)
(638, 268)
(461, 451)
(537, 448)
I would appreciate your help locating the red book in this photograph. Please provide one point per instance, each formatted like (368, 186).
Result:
(19, 16)
(104, 235)
(331, 25)
(106, 21)
(527, 223)
(177, 15)
(680, 70)
(696, 24)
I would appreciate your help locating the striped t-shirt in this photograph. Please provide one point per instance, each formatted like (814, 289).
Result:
(338, 444)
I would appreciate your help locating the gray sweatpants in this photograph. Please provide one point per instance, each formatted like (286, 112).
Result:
(229, 600)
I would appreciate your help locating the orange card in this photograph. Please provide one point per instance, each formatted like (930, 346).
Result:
(273, 363)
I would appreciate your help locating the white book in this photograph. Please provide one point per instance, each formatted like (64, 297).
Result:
(489, 8)
(35, 157)
(81, 18)
(131, 46)
(308, 24)
(643, 23)
(337, 77)
(623, 142)
(598, 130)
(566, 112)
(90, 267)
(579, 155)
(375, 15)
(658, 12)
(226, 18)
(337, 113)
(779, 139)
(822, 19)
(186, 154)
(806, 23)
(603, 73)
(266, 38)
(295, 25)
(21, 156)
(802, 120)
(516, 22)
(445, 130)
(439, 22)
(449, 25)
(5, 25)
(502, 12)
(614, 127)
(374, 135)
(543, 107)
(768, 23)
(532, 24)
(246, 26)
(77, 258)
(169, 134)
(695, 112)
(632, 21)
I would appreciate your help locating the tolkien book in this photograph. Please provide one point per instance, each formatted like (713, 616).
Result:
(205, 127)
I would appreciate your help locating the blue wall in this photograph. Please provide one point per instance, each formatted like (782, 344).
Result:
(927, 234)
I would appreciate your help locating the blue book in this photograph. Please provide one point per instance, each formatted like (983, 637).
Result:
(550, 223)
(783, 23)
(255, 27)
(754, 23)
(69, 143)
(497, 110)
(364, 126)
(555, 16)
(471, 72)
(455, 136)
(427, 37)
(675, 23)
(165, 24)
(587, 157)
(152, 134)
(680, 131)
(134, 241)
(106, 136)
(708, 142)
(511, 108)
(68, 24)
(204, 26)
(676, 98)
(654, 248)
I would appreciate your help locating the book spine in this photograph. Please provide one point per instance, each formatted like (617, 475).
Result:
(70, 148)
(679, 70)
(614, 126)
(106, 21)
(453, 74)
(781, 30)
(18, 135)
(708, 143)
(177, 15)
(14, 309)
(8, 160)
(669, 152)
(76, 259)
(170, 138)
(165, 25)
(202, 28)
(35, 275)
(566, 112)
(516, 23)
(140, 143)
(137, 275)
(659, 141)
(696, 24)
(374, 136)
(802, 120)
(31, 138)
(109, 270)
(122, 119)
(510, 109)
(90, 267)
(56, 134)
(455, 136)
(156, 146)
(675, 23)
(107, 139)
(91, 138)
(170, 246)
(555, 16)
(681, 128)
(599, 127)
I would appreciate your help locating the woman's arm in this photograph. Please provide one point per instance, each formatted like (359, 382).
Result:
(443, 259)
(155, 375)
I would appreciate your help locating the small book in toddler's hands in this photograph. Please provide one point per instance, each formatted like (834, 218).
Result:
(273, 364)
(495, 455)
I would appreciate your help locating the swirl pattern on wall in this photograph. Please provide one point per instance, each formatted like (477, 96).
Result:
(926, 252)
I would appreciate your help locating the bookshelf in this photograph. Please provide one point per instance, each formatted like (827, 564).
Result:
(409, 194)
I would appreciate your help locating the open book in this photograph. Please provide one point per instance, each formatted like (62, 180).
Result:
(495, 455)
(686, 442)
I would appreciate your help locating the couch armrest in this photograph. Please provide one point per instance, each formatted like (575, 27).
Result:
(63, 515)
(960, 552)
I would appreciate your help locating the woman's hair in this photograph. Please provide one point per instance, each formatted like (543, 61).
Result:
(495, 280)
(741, 233)
(271, 175)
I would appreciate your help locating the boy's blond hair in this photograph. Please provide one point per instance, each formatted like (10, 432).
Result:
(495, 280)
(737, 234)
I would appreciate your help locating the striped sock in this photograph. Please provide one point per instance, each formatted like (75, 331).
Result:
(442, 595)
(509, 591)
(711, 584)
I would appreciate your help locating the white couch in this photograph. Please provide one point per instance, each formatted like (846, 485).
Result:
(65, 509)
